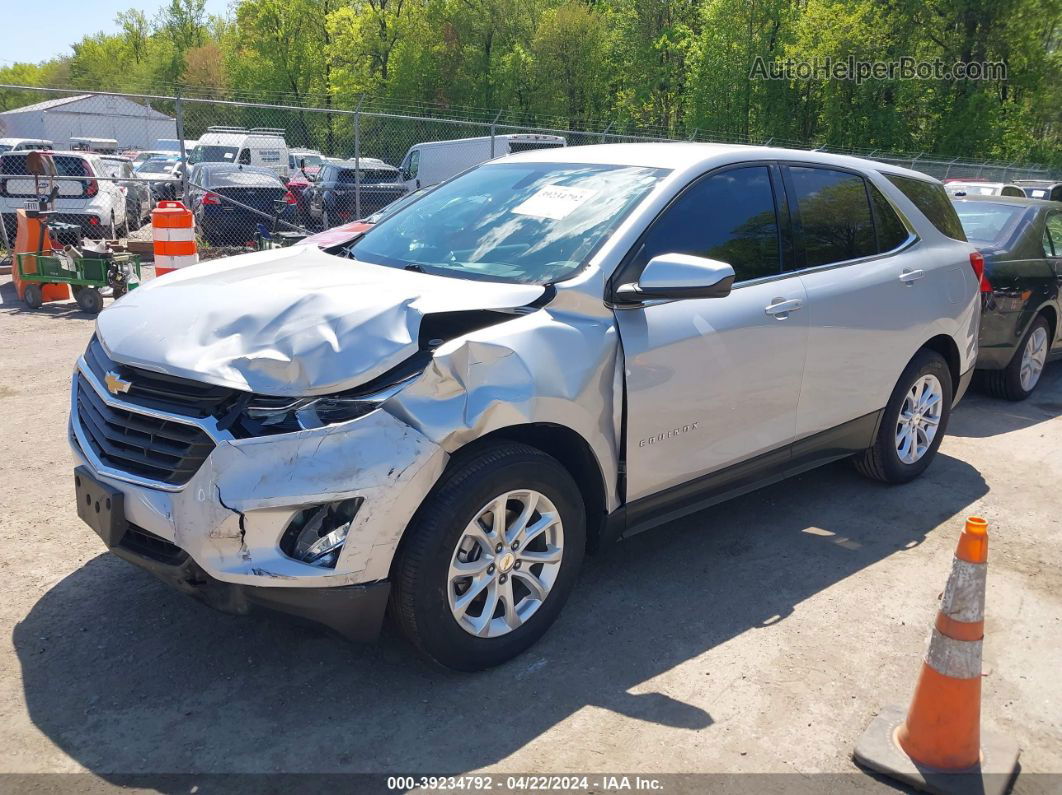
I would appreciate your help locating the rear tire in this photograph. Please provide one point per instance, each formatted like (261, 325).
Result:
(449, 531)
(90, 300)
(1015, 382)
(33, 296)
(903, 450)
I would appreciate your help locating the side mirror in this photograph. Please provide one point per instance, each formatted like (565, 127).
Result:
(676, 276)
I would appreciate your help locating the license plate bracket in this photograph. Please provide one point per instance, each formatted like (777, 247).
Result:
(100, 506)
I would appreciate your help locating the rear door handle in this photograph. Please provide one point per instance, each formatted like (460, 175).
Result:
(780, 308)
(910, 277)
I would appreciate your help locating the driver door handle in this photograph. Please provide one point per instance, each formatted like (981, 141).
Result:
(910, 276)
(780, 309)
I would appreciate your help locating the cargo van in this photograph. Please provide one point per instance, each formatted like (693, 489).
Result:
(432, 162)
(260, 146)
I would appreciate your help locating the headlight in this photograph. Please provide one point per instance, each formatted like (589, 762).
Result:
(263, 414)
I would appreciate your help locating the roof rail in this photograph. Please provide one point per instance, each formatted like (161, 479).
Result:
(273, 130)
(223, 128)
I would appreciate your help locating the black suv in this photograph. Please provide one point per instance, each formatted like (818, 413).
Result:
(333, 198)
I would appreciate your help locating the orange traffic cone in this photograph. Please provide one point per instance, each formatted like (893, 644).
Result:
(938, 746)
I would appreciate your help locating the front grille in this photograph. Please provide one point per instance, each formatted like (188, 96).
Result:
(163, 450)
(146, 544)
(163, 392)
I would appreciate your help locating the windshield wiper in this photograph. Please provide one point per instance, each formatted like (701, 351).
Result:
(412, 266)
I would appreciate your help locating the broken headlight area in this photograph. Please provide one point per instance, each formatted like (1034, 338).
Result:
(258, 415)
(316, 534)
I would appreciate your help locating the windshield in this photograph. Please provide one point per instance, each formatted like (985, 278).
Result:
(531, 223)
(390, 209)
(112, 168)
(156, 166)
(6, 147)
(213, 154)
(985, 222)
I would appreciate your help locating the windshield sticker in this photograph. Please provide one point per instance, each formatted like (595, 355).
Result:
(554, 202)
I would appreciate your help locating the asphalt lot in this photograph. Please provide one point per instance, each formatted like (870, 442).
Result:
(759, 636)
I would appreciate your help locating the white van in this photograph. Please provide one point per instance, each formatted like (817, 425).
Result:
(24, 144)
(259, 146)
(432, 162)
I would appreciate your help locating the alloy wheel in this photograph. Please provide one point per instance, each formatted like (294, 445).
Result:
(919, 419)
(1033, 357)
(505, 563)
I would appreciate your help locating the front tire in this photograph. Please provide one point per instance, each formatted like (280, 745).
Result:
(490, 557)
(914, 422)
(1020, 377)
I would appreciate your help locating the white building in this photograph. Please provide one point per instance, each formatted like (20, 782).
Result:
(133, 125)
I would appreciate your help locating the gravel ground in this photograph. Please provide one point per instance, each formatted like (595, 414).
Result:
(759, 636)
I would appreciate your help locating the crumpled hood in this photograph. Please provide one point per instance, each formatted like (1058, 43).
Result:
(292, 321)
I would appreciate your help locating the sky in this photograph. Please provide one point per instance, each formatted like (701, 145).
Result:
(32, 32)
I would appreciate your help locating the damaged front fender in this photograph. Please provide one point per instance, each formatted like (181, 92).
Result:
(555, 367)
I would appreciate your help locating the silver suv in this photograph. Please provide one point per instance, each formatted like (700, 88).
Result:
(548, 352)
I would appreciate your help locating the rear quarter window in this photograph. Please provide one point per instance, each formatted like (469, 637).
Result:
(932, 201)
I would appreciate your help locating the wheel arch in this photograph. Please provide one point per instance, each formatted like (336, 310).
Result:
(574, 454)
(1050, 312)
(946, 347)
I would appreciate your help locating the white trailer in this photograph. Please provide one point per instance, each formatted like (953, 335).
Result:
(432, 162)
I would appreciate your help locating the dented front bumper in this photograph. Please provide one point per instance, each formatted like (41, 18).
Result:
(223, 527)
(354, 611)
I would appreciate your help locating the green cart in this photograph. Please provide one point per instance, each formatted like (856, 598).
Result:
(87, 276)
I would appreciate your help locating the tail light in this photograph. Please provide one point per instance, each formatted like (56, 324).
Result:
(289, 197)
(211, 198)
(977, 262)
(93, 220)
(92, 187)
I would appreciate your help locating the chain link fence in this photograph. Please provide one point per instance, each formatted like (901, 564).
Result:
(256, 173)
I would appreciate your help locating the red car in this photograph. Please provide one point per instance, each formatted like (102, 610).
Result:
(298, 183)
(346, 232)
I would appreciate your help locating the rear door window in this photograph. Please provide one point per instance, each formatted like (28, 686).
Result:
(835, 218)
(891, 231)
(932, 201)
(728, 216)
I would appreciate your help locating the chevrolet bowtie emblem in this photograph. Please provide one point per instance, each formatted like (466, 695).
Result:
(116, 385)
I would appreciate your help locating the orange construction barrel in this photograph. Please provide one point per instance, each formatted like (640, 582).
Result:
(173, 236)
